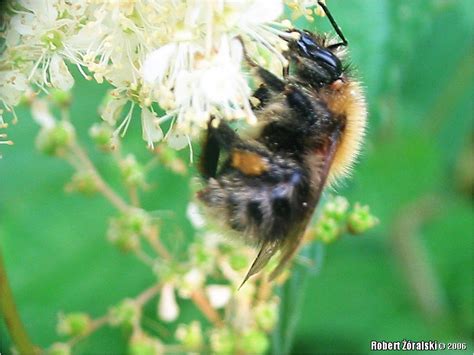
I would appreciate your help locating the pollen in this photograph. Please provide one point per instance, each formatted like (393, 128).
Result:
(249, 163)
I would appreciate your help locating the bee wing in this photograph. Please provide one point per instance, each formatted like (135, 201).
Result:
(267, 250)
(294, 239)
(290, 248)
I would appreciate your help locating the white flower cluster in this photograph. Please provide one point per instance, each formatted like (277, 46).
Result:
(184, 55)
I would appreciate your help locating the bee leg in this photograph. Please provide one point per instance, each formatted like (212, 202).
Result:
(218, 138)
(210, 152)
(313, 72)
(300, 102)
(295, 97)
(270, 80)
(225, 136)
(263, 96)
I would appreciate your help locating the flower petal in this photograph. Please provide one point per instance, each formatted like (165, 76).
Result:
(151, 130)
(219, 295)
(60, 76)
(168, 309)
(177, 141)
(41, 114)
(262, 11)
(157, 63)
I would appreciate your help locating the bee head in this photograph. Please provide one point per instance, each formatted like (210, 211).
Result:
(314, 62)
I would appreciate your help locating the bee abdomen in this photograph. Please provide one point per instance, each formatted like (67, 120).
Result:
(264, 207)
(265, 211)
(254, 212)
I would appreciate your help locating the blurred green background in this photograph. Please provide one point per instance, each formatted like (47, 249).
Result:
(410, 278)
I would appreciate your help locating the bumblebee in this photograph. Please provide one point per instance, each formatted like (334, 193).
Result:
(266, 188)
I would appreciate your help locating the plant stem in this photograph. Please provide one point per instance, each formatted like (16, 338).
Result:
(148, 294)
(413, 258)
(152, 237)
(95, 325)
(201, 302)
(11, 316)
(106, 190)
(133, 193)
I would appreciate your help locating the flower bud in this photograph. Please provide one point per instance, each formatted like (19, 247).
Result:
(201, 256)
(60, 97)
(59, 349)
(74, 324)
(56, 140)
(142, 344)
(102, 134)
(327, 229)
(238, 261)
(336, 208)
(360, 219)
(126, 314)
(266, 315)
(190, 336)
(168, 309)
(169, 158)
(222, 341)
(125, 231)
(84, 182)
(132, 171)
(121, 237)
(254, 342)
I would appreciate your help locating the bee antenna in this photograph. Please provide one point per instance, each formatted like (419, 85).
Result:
(334, 25)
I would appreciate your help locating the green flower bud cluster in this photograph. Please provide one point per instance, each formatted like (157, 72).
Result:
(360, 219)
(266, 315)
(337, 218)
(59, 349)
(124, 231)
(223, 341)
(254, 342)
(60, 98)
(229, 340)
(190, 336)
(84, 182)
(201, 256)
(143, 344)
(102, 135)
(132, 172)
(125, 314)
(56, 140)
(169, 158)
(74, 324)
(238, 261)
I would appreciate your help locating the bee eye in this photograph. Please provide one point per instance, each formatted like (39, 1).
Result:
(326, 57)
(308, 47)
